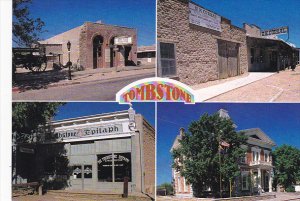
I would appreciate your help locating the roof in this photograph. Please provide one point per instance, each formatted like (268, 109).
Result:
(257, 135)
(91, 117)
(273, 39)
(176, 143)
(146, 48)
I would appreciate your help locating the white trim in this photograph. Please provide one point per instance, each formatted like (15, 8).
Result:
(81, 139)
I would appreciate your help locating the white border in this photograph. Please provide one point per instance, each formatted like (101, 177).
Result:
(6, 98)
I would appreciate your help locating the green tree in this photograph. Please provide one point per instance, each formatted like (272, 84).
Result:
(286, 160)
(168, 187)
(27, 117)
(26, 29)
(199, 158)
(28, 122)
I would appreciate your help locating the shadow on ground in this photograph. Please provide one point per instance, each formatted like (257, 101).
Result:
(38, 80)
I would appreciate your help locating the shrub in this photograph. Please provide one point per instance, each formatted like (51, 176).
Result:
(290, 189)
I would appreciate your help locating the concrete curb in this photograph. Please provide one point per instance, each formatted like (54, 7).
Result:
(207, 93)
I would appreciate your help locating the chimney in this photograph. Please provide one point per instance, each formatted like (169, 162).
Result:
(223, 113)
(181, 131)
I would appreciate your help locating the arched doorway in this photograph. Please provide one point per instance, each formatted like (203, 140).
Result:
(98, 52)
(112, 52)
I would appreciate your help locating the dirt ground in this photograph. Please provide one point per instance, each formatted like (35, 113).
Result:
(280, 87)
(50, 197)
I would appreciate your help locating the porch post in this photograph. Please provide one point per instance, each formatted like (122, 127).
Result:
(259, 179)
(270, 179)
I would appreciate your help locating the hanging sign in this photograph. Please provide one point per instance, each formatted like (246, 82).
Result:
(123, 40)
(276, 31)
(204, 18)
(156, 89)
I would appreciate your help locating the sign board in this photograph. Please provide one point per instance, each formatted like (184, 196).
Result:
(276, 31)
(90, 131)
(123, 40)
(204, 18)
(27, 150)
(156, 89)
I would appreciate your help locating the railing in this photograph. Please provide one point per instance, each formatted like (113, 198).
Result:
(264, 163)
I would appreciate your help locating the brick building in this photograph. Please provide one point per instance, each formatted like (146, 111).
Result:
(256, 167)
(101, 151)
(95, 45)
(196, 51)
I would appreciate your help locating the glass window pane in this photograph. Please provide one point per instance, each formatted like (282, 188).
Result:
(122, 162)
(77, 172)
(104, 167)
(167, 50)
(88, 171)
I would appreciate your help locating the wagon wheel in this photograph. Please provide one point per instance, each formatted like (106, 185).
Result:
(38, 68)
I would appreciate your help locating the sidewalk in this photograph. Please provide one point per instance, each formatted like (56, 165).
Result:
(26, 80)
(216, 90)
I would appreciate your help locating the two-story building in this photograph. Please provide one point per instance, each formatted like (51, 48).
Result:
(256, 167)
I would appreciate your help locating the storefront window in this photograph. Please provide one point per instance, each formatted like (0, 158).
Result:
(120, 163)
(77, 172)
(88, 171)
(105, 167)
(167, 59)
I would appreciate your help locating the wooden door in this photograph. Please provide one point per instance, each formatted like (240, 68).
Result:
(232, 52)
(223, 66)
(228, 59)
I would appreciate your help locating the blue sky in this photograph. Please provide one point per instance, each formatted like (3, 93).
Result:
(77, 109)
(266, 14)
(281, 122)
(62, 15)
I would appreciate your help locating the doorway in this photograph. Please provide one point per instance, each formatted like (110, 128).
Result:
(127, 55)
(82, 176)
(228, 59)
(98, 52)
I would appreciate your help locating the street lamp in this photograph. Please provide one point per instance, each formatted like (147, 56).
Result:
(69, 63)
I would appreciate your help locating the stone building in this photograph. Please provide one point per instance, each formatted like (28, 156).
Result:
(256, 167)
(100, 150)
(268, 53)
(95, 45)
(196, 45)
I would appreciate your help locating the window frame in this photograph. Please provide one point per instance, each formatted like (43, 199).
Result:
(159, 59)
(113, 169)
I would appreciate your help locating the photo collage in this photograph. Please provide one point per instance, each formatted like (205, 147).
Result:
(167, 100)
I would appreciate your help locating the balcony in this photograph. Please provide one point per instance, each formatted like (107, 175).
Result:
(261, 164)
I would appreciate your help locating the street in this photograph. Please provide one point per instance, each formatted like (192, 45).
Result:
(93, 91)
(279, 87)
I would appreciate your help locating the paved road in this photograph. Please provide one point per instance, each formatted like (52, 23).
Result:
(94, 91)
